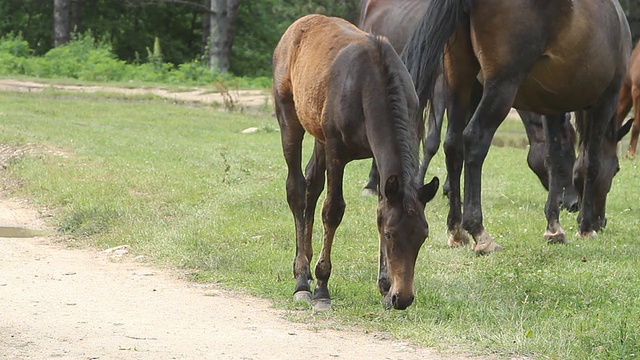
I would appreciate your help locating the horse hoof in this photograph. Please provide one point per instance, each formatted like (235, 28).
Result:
(321, 305)
(587, 235)
(555, 238)
(458, 238)
(304, 296)
(457, 241)
(369, 192)
(485, 245)
(487, 248)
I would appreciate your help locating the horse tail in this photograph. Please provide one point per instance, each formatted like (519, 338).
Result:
(424, 50)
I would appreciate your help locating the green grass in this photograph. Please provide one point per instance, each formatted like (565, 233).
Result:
(181, 185)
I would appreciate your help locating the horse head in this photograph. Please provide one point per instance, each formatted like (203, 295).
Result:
(402, 228)
(609, 167)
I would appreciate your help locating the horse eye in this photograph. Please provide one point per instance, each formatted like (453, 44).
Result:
(387, 235)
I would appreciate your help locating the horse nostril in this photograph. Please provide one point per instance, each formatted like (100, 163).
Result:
(399, 303)
(394, 300)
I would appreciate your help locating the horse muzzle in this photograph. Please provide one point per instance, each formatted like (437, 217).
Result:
(398, 301)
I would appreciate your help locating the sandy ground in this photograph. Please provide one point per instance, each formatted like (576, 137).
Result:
(239, 99)
(59, 302)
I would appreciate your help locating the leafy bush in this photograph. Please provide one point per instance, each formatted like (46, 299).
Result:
(13, 52)
(15, 45)
(85, 58)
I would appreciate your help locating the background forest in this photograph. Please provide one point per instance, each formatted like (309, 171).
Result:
(173, 31)
(178, 39)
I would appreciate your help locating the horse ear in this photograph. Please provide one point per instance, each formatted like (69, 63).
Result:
(624, 129)
(392, 187)
(428, 191)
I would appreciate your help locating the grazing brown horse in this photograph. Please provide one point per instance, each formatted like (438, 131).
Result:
(536, 156)
(352, 93)
(630, 96)
(544, 56)
(396, 20)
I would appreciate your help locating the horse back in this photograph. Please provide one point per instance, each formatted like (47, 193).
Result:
(395, 19)
(311, 62)
(566, 44)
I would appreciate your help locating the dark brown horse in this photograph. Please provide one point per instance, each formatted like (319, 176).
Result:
(396, 20)
(630, 96)
(536, 157)
(546, 56)
(352, 93)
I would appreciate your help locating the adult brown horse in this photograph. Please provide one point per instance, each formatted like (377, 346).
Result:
(352, 93)
(396, 20)
(630, 96)
(549, 57)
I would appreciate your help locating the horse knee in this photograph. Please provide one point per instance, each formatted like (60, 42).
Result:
(332, 212)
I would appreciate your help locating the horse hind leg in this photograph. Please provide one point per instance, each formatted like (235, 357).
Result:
(553, 127)
(314, 178)
(374, 179)
(454, 159)
(292, 134)
(435, 116)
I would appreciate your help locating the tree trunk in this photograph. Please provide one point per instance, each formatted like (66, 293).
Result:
(76, 15)
(222, 20)
(206, 30)
(61, 23)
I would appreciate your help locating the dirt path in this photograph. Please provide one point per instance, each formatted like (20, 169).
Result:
(58, 302)
(244, 99)
(78, 304)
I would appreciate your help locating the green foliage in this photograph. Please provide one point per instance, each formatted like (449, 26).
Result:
(155, 56)
(15, 45)
(85, 58)
(14, 51)
(262, 23)
(31, 18)
(82, 58)
(131, 26)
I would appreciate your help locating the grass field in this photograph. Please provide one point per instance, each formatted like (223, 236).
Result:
(185, 188)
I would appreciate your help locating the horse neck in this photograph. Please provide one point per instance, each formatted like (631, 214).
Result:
(392, 158)
(391, 130)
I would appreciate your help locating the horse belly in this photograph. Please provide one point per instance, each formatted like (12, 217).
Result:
(556, 85)
(309, 110)
(309, 85)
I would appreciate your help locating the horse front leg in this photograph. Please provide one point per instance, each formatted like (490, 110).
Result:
(597, 165)
(496, 102)
(384, 283)
(553, 127)
(332, 212)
